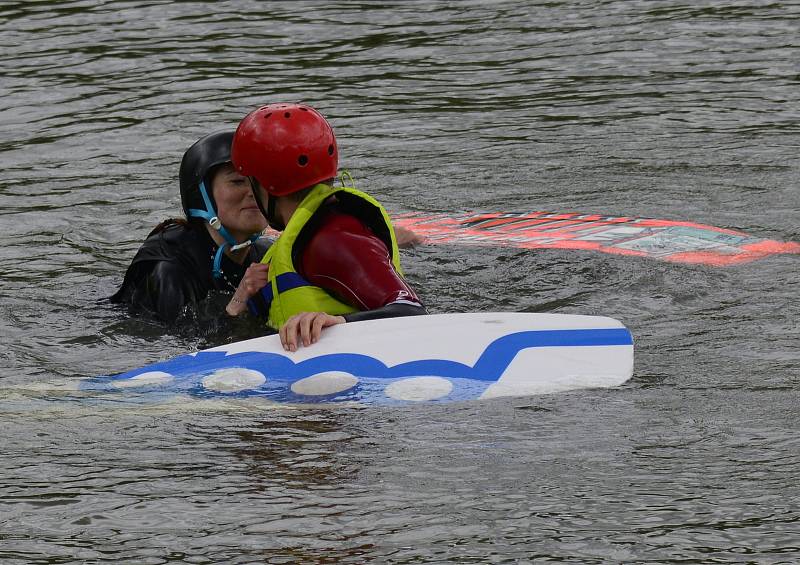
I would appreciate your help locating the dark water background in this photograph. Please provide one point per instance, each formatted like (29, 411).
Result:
(671, 109)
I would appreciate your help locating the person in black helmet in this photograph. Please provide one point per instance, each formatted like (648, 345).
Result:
(183, 260)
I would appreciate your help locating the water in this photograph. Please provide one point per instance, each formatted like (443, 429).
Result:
(671, 109)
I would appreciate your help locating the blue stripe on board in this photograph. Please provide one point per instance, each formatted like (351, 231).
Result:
(501, 352)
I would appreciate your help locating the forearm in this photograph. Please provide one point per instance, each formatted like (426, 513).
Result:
(237, 304)
(255, 278)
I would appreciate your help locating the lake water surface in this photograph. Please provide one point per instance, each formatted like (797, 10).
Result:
(667, 108)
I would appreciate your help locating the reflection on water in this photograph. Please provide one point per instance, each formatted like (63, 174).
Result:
(658, 109)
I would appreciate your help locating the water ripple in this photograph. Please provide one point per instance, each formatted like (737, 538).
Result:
(638, 108)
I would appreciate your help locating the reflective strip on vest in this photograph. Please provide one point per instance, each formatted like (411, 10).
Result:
(285, 281)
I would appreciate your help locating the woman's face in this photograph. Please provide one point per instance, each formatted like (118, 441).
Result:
(236, 206)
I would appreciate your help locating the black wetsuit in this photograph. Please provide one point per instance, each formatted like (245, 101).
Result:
(173, 269)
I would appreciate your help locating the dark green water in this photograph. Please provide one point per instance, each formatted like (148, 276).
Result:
(671, 109)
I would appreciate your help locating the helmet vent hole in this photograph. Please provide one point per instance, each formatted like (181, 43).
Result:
(304, 109)
(287, 114)
(330, 149)
(302, 160)
(267, 115)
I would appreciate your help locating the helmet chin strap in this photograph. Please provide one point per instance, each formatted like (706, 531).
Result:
(210, 215)
(269, 211)
(272, 217)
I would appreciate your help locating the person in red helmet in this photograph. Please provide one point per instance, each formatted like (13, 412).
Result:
(337, 258)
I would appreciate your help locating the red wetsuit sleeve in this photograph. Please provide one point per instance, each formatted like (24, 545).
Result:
(348, 260)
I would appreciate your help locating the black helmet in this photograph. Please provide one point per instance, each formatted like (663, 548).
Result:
(197, 163)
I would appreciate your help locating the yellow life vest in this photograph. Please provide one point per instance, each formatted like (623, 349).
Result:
(286, 292)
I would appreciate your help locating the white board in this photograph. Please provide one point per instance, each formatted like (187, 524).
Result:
(436, 358)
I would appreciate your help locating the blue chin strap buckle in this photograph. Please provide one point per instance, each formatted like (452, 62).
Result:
(210, 215)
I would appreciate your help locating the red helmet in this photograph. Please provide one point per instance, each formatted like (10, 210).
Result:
(286, 147)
